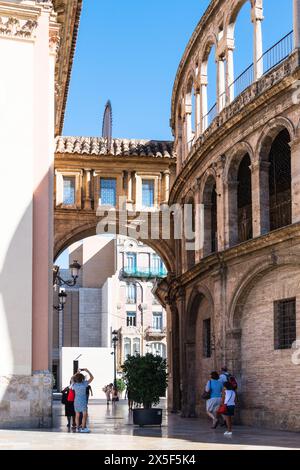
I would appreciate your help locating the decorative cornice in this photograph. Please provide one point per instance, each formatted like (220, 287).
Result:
(68, 16)
(13, 27)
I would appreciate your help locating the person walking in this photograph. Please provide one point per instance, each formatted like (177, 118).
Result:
(115, 395)
(214, 387)
(68, 400)
(108, 390)
(80, 403)
(224, 375)
(229, 398)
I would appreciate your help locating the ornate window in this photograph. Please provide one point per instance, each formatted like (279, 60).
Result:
(131, 293)
(127, 347)
(157, 321)
(108, 191)
(148, 193)
(69, 186)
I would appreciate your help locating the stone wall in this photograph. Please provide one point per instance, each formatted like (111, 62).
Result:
(26, 401)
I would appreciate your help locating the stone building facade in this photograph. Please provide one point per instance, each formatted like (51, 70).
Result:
(235, 298)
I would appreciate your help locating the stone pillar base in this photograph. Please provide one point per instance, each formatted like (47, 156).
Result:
(26, 401)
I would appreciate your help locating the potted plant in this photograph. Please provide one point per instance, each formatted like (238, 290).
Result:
(146, 379)
(121, 386)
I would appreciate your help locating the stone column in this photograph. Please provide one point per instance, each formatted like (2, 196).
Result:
(204, 103)
(229, 74)
(295, 174)
(166, 186)
(232, 214)
(199, 219)
(188, 126)
(296, 20)
(260, 198)
(220, 83)
(257, 18)
(129, 186)
(219, 169)
(87, 189)
(198, 112)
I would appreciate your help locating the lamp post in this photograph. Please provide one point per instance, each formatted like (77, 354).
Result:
(115, 339)
(59, 281)
(141, 308)
(62, 297)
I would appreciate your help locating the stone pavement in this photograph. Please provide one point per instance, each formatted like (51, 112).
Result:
(112, 429)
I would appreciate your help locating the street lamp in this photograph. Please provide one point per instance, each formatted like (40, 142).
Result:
(62, 297)
(115, 339)
(59, 281)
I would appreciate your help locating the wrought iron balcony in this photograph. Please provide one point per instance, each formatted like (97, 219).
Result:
(153, 333)
(143, 273)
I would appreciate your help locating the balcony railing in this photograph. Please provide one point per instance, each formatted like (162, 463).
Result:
(143, 273)
(210, 116)
(270, 59)
(242, 82)
(277, 53)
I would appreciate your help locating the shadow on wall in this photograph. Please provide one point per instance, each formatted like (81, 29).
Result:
(25, 398)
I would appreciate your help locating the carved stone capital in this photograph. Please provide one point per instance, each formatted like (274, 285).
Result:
(54, 41)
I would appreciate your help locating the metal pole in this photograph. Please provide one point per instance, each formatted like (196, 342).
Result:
(142, 315)
(115, 364)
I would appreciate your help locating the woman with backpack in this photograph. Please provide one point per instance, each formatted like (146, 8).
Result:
(213, 390)
(80, 403)
(67, 399)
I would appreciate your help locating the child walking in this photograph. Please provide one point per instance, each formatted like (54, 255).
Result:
(229, 399)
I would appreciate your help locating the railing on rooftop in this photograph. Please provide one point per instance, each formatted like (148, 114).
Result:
(277, 53)
(242, 82)
(270, 59)
(210, 116)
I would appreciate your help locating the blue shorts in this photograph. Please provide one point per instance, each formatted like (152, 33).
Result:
(230, 411)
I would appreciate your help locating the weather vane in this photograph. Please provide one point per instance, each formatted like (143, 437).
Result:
(107, 125)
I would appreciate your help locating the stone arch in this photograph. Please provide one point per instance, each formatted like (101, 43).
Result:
(276, 184)
(250, 336)
(249, 280)
(231, 17)
(88, 229)
(239, 203)
(269, 132)
(200, 306)
(205, 51)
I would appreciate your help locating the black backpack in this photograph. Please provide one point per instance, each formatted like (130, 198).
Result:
(64, 396)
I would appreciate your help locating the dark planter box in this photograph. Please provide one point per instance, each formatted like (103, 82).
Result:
(149, 417)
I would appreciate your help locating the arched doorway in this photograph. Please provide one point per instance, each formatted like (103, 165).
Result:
(199, 358)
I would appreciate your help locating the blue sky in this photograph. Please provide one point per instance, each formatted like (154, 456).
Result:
(128, 51)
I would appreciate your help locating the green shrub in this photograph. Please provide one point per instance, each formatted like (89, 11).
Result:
(146, 378)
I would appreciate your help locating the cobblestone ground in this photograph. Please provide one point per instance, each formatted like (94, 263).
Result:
(112, 429)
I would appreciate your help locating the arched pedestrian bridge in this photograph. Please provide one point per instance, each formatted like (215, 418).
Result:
(127, 178)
